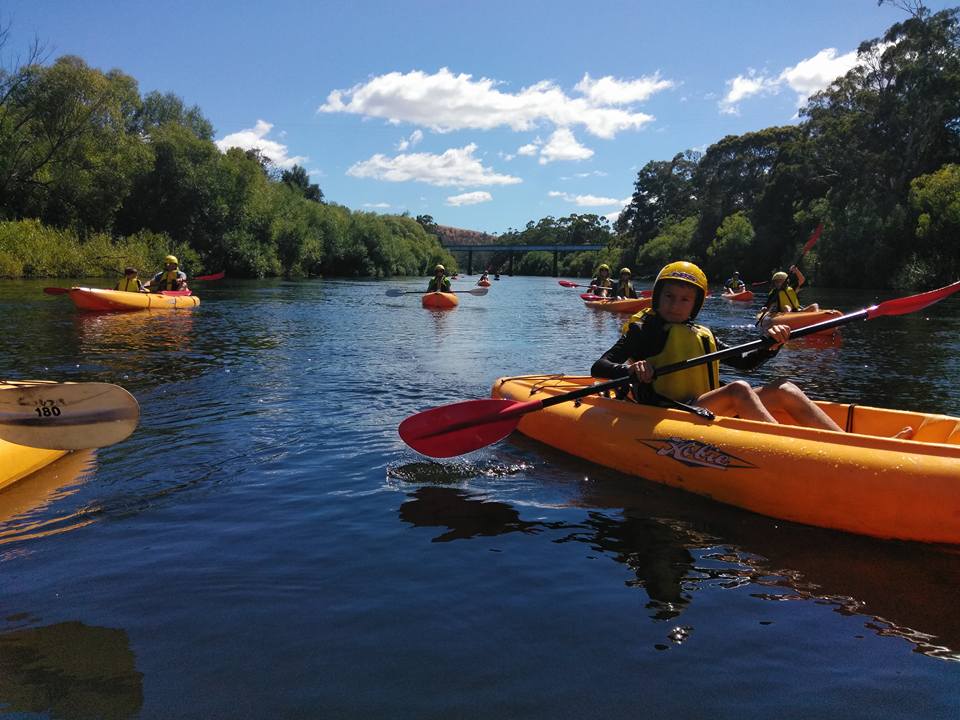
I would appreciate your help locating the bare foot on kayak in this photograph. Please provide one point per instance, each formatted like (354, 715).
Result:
(904, 434)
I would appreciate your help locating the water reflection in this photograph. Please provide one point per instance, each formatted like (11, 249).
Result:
(678, 546)
(69, 670)
(24, 505)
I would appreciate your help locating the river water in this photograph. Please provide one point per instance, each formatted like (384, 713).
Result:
(265, 545)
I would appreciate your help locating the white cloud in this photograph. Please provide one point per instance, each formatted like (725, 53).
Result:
(814, 74)
(745, 86)
(415, 137)
(255, 137)
(456, 166)
(609, 90)
(591, 173)
(530, 148)
(470, 198)
(444, 102)
(807, 77)
(380, 205)
(562, 145)
(590, 200)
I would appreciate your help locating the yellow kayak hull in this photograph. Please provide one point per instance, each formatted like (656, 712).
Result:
(18, 461)
(628, 305)
(862, 481)
(102, 300)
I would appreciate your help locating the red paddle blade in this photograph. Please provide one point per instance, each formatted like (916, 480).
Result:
(462, 427)
(813, 239)
(567, 283)
(912, 303)
(216, 276)
(56, 291)
(588, 297)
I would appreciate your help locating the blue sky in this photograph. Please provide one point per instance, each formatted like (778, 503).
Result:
(484, 115)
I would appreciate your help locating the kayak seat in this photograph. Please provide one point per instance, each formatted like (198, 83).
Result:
(938, 429)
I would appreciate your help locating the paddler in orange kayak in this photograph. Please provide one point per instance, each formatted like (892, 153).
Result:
(734, 284)
(439, 282)
(624, 288)
(666, 334)
(130, 282)
(783, 293)
(601, 285)
(170, 278)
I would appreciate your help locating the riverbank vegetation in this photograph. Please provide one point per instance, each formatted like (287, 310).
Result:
(94, 176)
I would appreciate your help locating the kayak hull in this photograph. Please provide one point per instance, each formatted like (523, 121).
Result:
(862, 481)
(18, 461)
(483, 283)
(800, 319)
(745, 296)
(630, 305)
(102, 300)
(440, 300)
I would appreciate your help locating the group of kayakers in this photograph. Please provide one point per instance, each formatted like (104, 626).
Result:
(603, 286)
(440, 282)
(170, 278)
(666, 333)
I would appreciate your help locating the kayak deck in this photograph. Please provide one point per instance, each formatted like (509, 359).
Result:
(18, 461)
(629, 305)
(103, 300)
(863, 481)
(440, 300)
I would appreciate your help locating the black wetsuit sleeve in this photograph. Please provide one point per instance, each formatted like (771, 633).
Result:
(753, 359)
(641, 341)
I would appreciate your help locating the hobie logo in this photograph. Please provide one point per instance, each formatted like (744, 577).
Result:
(694, 453)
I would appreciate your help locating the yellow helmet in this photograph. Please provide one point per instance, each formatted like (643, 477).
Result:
(779, 277)
(171, 260)
(439, 268)
(603, 266)
(686, 272)
(626, 270)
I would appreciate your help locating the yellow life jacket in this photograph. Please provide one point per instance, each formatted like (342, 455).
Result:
(684, 341)
(787, 300)
(128, 284)
(168, 279)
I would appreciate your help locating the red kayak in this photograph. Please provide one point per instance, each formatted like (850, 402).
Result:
(743, 296)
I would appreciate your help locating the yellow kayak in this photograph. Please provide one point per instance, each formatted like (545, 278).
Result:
(18, 461)
(627, 305)
(103, 300)
(862, 481)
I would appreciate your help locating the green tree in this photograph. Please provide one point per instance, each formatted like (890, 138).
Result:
(731, 245)
(299, 180)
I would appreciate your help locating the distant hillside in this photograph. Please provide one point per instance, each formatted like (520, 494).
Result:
(458, 236)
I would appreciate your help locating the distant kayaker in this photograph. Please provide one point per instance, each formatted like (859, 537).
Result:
(624, 288)
(666, 334)
(439, 282)
(783, 293)
(130, 282)
(734, 284)
(601, 285)
(170, 278)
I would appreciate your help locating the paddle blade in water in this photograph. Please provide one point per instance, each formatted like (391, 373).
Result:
(912, 303)
(397, 293)
(67, 416)
(56, 291)
(462, 427)
(481, 291)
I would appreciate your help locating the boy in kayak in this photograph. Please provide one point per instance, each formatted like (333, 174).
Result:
(130, 282)
(665, 334)
(439, 282)
(601, 285)
(624, 288)
(783, 293)
(170, 278)
(734, 284)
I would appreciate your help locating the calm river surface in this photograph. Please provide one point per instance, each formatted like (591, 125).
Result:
(265, 545)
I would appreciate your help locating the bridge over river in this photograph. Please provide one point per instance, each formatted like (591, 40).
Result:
(512, 249)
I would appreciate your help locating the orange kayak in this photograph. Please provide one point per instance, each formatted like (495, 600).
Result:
(800, 319)
(440, 300)
(862, 481)
(103, 300)
(743, 296)
(629, 305)
(483, 283)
